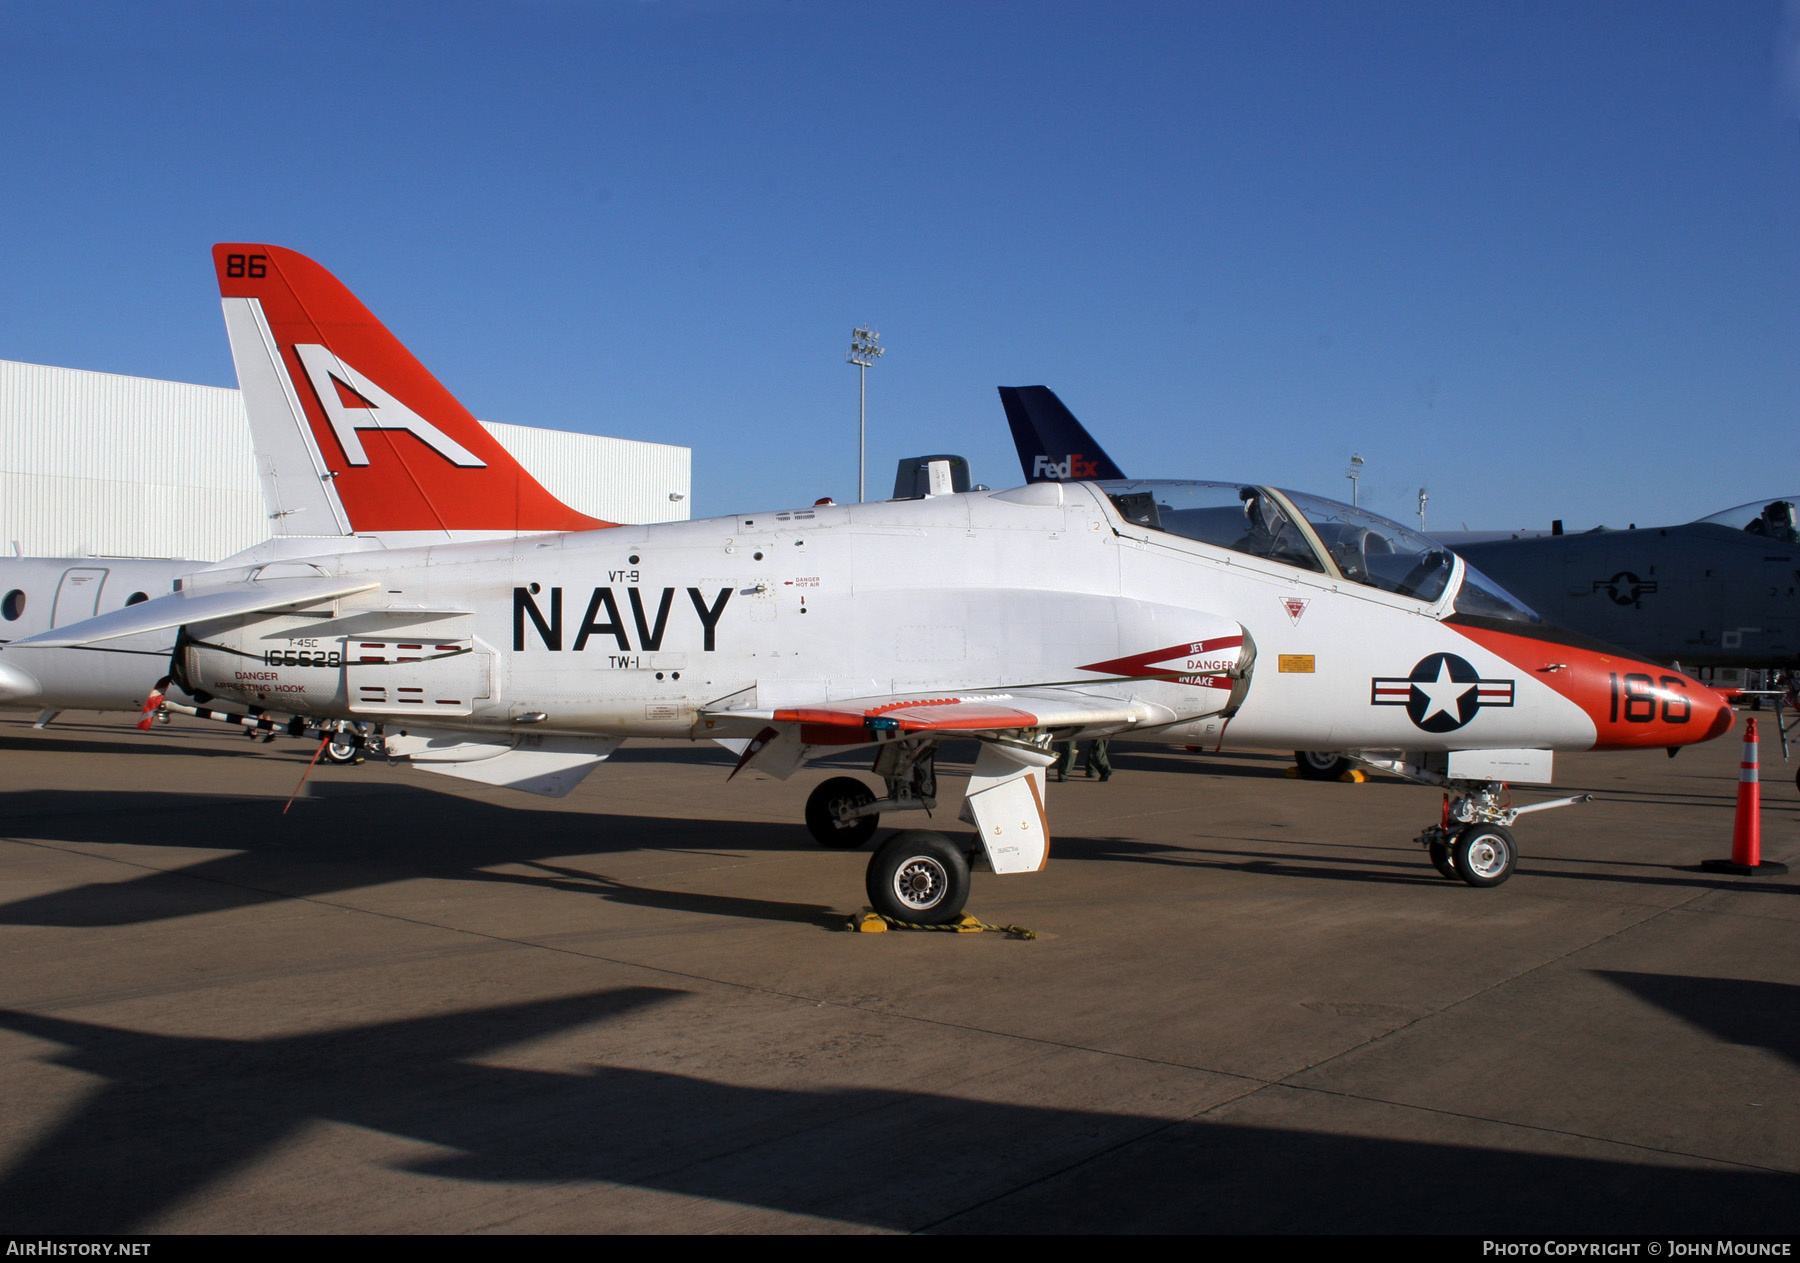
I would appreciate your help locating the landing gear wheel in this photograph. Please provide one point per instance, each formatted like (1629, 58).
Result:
(1484, 854)
(1320, 765)
(919, 877)
(827, 817)
(340, 749)
(1440, 860)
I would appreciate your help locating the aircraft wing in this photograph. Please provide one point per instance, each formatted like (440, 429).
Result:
(1042, 706)
(199, 605)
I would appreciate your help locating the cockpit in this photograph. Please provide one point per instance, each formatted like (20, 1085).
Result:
(1774, 519)
(1311, 533)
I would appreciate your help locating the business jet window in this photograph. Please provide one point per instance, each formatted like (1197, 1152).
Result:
(1774, 519)
(1372, 550)
(12, 606)
(1223, 514)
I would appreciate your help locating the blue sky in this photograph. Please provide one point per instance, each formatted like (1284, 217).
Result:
(1543, 259)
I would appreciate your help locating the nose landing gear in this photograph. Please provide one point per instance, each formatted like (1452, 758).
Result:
(1472, 843)
(1479, 854)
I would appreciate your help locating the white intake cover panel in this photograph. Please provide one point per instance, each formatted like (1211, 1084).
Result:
(1006, 804)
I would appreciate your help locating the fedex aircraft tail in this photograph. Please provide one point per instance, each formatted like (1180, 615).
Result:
(1053, 446)
(352, 434)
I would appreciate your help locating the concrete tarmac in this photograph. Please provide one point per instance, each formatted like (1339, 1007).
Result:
(415, 1004)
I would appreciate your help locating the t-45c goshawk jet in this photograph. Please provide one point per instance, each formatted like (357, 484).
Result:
(1191, 612)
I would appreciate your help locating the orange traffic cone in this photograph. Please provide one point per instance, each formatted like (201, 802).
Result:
(1746, 834)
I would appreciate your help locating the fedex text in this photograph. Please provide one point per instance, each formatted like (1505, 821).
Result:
(1073, 465)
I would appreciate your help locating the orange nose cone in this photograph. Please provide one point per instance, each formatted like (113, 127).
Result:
(1633, 705)
(1638, 704)
(1723, 718)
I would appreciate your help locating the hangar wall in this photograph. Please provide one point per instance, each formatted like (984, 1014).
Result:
(98, 464)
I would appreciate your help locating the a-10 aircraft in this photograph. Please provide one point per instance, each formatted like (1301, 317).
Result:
(1192, 612)
(1720, 592)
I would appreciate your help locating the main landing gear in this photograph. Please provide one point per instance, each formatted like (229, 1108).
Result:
(1472, 842)
(917, 875)
(842, 813)
(1321, 765)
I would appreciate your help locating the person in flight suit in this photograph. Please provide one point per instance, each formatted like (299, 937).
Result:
(1097, 760)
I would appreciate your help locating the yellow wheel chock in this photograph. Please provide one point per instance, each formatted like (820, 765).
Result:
(874, 923)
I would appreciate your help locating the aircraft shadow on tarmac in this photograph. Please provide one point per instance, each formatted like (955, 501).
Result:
(35, 744)
(349, 836)
(1733, 1010)
(1205, 853)
(1303, 860)
(611, 889)
(173, 1115)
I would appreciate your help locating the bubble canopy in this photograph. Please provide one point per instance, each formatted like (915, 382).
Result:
(1368, 548)
(1774, 517)
(1363, 547)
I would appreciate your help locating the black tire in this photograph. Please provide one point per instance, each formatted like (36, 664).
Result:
(832, 830)
(918, 877)
(339, 750)
(1320, 765)
(1484, 854)
(1440, 860)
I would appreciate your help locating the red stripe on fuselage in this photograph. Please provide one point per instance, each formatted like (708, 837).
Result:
(966, 717)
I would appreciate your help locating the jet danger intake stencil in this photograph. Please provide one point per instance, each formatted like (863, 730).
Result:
(1443, 693)
(1180, 664)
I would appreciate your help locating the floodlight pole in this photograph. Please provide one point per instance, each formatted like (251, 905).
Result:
(865, 349)
(1354, 474)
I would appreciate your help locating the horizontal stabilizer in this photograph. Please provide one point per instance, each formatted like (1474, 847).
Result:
(201, 605)
(544, 764)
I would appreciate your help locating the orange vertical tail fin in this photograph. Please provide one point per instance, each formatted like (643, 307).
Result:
(353, 433)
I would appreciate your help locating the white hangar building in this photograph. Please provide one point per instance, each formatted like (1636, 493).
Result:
(100, 465)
